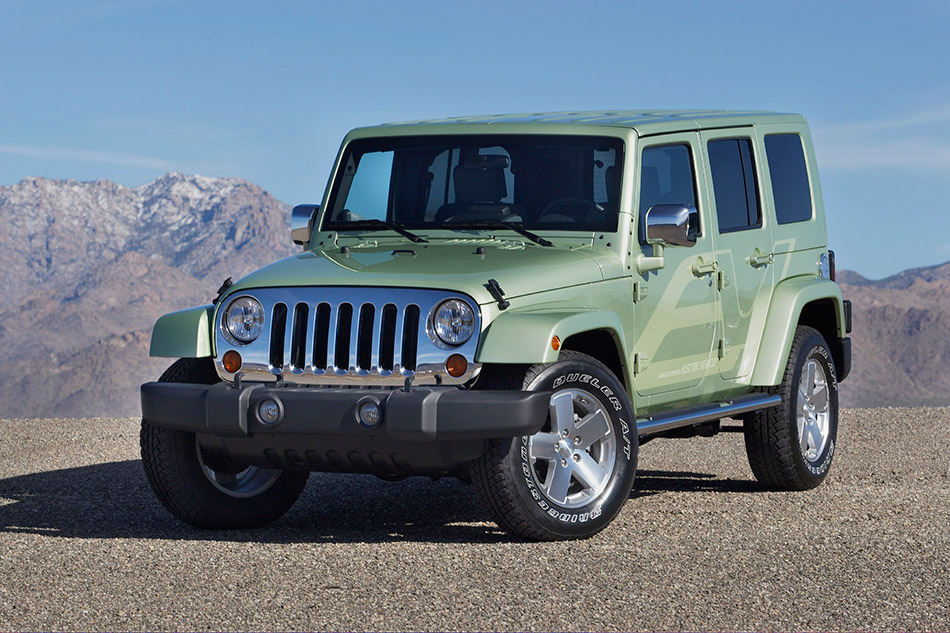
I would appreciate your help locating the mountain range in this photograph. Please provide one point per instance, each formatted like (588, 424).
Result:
(89, 266)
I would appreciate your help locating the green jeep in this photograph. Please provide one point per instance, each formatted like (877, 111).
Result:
(521, 300)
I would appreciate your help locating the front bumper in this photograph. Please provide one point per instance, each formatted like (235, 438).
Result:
(428, 430)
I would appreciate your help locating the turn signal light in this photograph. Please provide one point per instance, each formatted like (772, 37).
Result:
(555, 343)
(456, 365)
(232, 361)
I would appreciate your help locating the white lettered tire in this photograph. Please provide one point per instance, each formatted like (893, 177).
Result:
(570, 479)
(791, 446)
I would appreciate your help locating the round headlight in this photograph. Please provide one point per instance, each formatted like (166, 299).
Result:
(453, 321)
(244, 319)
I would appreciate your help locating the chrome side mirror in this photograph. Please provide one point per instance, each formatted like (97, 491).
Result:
(672, 225)
(301, 223)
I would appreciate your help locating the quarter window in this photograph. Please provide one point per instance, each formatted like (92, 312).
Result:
(789, 177)
(734, 184)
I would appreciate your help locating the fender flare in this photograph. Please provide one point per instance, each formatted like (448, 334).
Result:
(183, 334)
(525, 337)
(788, 300)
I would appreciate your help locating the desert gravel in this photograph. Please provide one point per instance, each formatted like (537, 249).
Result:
(85, 546)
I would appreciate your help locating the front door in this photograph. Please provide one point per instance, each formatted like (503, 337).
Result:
(676, 307)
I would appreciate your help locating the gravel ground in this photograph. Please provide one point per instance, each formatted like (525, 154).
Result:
(85, 546)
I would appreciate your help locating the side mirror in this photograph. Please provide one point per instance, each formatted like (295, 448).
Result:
(672, 225)
(301, 223)
(667, 225)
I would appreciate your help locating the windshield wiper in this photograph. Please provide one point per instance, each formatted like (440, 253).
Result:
(499, 224)
(392, 226)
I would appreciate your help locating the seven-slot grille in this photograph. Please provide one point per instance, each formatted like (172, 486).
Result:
(343, 338)
(333, 335)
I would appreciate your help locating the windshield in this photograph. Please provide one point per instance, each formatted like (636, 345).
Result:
(536, 182)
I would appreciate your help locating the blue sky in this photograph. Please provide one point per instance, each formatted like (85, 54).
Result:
(265, 91)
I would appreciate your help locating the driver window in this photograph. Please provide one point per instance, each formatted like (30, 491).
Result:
(666, 177)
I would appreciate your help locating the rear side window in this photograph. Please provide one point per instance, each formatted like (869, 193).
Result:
(790, 189)
(734, 184)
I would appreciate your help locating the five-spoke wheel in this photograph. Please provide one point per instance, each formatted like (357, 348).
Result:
(572, 462)
(573, 476)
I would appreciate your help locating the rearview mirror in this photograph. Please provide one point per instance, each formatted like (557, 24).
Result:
(301, 223)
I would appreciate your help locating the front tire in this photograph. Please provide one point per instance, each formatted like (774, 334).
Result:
(791, 446)
(570, 479)
(207, 489)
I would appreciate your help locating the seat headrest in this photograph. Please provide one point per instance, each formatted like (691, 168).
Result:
(478, 184)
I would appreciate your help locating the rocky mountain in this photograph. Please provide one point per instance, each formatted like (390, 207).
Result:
(89, 266)
(901, 338)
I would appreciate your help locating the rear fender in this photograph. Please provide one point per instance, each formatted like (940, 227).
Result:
(788, 300)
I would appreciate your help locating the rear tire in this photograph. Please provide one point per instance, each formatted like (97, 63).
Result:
(207, 489)
(570, 479)
(791, 446)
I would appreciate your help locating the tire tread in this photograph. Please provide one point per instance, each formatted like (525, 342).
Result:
(771, 449)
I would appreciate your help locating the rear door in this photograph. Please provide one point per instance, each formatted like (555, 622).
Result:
(743, 244)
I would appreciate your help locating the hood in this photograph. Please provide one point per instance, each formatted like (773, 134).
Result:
(519, 269)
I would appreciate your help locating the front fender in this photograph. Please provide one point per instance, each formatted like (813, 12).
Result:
(525, 337)
(788, 300)
(183, 334)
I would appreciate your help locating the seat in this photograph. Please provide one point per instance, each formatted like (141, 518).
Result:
(479, 189)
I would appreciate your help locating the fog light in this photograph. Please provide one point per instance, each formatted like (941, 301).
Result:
(269, 411)
(232, 361)
(369, 413)
(456, 365)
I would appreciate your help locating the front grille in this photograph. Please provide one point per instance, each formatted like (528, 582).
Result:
(343, 336)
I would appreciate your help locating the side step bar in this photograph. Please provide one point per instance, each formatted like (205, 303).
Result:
(661, 422)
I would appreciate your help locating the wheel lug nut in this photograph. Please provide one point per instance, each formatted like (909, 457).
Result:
(564, 433)
(563, 462)
(577, 440)
(577, 457)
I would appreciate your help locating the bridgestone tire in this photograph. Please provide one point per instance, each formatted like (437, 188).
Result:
(181, 473)
(521, 481)
(791, 446)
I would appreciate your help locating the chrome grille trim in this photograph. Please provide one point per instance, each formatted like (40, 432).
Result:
(307, 338)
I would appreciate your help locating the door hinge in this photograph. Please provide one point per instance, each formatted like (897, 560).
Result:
(639, 291)
(640, 362)
(722, 280)
(722, 348)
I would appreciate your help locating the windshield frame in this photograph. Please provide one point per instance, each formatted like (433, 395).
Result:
(480, 139)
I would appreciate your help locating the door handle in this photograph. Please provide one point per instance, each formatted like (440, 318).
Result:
(758, 258)
(701, 267)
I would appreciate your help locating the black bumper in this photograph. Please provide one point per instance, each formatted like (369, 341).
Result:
(426, 431)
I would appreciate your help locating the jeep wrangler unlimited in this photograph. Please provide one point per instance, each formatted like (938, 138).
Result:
(522, 300)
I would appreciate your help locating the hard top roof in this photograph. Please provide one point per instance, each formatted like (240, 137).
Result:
(645, 122)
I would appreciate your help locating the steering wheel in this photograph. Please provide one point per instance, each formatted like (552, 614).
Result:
(586, 208)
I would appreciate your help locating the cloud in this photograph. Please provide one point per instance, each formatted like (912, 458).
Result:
(89, 156)
(918, 140)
